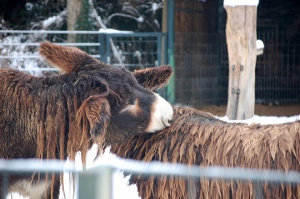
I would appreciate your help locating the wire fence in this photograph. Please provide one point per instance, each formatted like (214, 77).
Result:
(201, 71)
(19, 48)
(133, 50)
(202, 68)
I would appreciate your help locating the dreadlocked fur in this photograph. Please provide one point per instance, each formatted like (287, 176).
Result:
(198, 138)
(54, 101)
(57, 116)
(153, 78)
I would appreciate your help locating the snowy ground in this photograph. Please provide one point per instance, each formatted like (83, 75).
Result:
(121, 188)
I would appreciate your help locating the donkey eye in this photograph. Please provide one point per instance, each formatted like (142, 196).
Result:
(128, 101)
(131, 99)
(131, 107)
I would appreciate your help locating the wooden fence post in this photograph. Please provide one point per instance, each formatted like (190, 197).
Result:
(241, 45)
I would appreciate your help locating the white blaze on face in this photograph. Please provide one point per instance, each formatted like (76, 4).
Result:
(161, 115)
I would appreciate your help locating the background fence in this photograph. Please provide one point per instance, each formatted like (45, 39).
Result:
(202, 68)
(201, 60)
(18, 49)
(133, 50)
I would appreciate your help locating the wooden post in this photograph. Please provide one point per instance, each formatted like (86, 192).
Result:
(241, 44)
(74, 8)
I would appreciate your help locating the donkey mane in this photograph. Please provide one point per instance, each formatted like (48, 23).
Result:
(198, 138)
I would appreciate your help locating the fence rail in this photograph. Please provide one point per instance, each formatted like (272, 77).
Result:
(103, 173)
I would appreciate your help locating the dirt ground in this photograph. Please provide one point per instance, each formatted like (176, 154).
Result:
(262, 110)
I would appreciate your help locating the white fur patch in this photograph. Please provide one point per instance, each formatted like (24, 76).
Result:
(162, 114)
(133, 108)
(27, 189)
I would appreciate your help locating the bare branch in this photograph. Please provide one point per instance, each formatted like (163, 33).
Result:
(102, 25)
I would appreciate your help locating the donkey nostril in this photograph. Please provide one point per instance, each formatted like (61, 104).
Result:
(166, 121)
(170, 121)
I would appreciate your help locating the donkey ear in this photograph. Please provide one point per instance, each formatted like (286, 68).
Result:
(67, 59)
(153, 78)
(94, 115)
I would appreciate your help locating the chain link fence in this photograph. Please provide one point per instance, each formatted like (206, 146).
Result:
(201, 60)
(19, 49)
(202, 68)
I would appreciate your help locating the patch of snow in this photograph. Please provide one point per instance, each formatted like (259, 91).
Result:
(49, 21)
(52, 20)
(18, 54)
(138, 54)
(123, 57)
(259, 44)
(263, 119)
(4, 51)
(157, 23)
(154, 6)
(110, 30)
(241, 2)
(28, 6)
(140, 19)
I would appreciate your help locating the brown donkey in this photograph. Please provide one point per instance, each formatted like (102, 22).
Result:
(198, 138)
(54, 117)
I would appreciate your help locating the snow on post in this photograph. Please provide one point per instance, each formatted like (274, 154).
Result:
(241, 2)
(241, 43)
(259, 47)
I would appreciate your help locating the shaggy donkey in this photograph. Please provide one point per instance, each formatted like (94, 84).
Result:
(54, 117)
(198, 138)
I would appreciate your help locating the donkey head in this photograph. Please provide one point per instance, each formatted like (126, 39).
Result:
(112, 101)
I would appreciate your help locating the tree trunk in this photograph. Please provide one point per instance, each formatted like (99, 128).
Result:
(241, 44)
(74, 8)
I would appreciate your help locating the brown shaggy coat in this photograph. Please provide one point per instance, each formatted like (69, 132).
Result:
(55, 117)
(198, 138)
